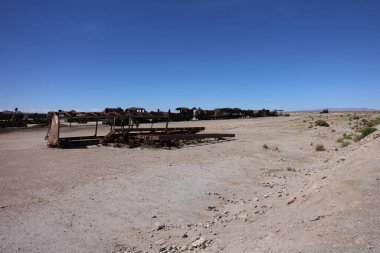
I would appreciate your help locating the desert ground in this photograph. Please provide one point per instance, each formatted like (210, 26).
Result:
(267, 190)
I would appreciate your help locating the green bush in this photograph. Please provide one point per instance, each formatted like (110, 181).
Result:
(321, 122)
(364, 132)
(373, 122)
(320, 147)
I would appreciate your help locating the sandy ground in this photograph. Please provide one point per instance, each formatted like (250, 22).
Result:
(232, 196)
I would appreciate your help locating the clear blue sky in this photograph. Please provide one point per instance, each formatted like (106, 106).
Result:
(87, 55)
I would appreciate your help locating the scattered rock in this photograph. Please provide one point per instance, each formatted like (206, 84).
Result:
(198, 243)
(184, 235)
(124, 249)
(159, 242)
(290, 201)
(158, 226)
(243, 216)
(211, 208)
(318, 218)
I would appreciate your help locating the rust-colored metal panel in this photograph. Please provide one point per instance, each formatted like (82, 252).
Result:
(53, 132)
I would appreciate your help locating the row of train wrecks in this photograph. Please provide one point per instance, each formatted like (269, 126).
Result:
(17, 118)
(187, 114)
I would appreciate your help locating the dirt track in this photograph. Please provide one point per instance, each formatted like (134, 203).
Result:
(233, 196)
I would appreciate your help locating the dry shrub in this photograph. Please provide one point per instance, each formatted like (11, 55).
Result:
(320, 147)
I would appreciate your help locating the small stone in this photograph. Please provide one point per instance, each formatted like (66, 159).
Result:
(324, 177)
(154, 217)
(377, 178)
(318, 218)
(290, 201)
(198, 243)
(211, 208)
(243, 216)
(159, 242)
(185, 235)
(158, 226)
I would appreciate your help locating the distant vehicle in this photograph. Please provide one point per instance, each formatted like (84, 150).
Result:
(325, 111)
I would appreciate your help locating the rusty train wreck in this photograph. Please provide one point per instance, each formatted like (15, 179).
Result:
(124, 129)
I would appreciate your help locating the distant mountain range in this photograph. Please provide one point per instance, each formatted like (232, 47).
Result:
(338, 109)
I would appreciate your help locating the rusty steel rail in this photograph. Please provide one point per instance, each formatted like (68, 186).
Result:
(179, 137)
(170, 130)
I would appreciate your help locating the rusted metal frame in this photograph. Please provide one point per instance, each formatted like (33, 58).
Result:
(96, 128)
(59, 127)
(131, 135)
